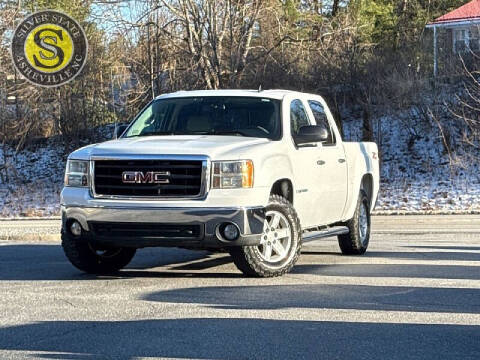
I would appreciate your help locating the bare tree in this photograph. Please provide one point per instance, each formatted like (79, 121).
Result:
(214, 38)
(467, 107)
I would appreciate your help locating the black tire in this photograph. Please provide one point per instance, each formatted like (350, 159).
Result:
(352, 243)
(248, 259)
(83, 255)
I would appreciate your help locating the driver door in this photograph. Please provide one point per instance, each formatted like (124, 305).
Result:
(331, 167)
(306, 173)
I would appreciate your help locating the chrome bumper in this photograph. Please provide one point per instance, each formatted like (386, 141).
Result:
(250, 221)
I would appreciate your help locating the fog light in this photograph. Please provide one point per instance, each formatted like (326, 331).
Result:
(76, 228)
(230, 232)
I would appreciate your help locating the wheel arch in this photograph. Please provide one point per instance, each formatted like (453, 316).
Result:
(284, 188)
(366, 184)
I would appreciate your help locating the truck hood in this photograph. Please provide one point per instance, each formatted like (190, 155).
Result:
(214, 146)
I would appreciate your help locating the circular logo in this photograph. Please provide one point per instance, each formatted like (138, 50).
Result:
(49, 48)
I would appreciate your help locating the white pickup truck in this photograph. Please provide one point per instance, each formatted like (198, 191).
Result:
(255, 173)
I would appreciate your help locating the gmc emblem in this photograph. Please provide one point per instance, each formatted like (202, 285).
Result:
(150, 177)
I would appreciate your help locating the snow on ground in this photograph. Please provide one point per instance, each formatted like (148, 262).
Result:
(34, 185)
(35, 177)
(417, 174)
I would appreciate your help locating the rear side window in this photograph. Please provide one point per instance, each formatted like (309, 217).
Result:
(321, 119)
(298, 116)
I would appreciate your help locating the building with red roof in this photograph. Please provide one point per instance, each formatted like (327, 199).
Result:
(468, 12)
(462, 29)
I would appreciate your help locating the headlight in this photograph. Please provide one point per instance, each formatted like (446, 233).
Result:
(232, 174)
(76, 173)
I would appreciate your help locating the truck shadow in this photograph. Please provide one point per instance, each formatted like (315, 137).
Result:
(391, 270)
(238, 338)
(48, 262)
(326, 296)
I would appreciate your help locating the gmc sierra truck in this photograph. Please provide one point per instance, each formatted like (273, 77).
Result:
(254, 173)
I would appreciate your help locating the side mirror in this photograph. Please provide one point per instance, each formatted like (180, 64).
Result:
(311, 134)
(119, 130)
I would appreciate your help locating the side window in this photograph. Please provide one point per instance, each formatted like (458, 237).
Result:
(298, 116)
(321, 119)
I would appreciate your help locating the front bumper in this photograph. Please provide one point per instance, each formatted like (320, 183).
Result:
(249, 220)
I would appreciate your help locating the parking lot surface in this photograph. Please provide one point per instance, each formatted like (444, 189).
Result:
(414, 295)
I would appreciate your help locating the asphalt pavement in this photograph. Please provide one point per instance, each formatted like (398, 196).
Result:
(414, 295)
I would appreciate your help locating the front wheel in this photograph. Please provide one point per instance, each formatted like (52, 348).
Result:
(356, 241)
(87, 257)
(281, 243)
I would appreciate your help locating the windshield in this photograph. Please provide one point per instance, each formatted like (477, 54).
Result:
(232, 116)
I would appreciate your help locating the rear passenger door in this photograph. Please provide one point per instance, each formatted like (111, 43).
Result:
(331, 165)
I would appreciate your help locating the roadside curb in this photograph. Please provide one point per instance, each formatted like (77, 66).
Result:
(37, 218)
(423, 213)
(426, 232)
(31, 237)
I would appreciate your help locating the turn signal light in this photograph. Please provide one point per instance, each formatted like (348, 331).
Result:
(232, 174)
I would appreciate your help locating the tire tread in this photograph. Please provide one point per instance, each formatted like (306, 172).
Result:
(351, 244)
(245, 259)
(83, 258)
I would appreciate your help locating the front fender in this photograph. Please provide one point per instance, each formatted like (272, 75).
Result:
(273, 168)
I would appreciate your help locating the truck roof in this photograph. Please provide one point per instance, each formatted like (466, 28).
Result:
(273, 94)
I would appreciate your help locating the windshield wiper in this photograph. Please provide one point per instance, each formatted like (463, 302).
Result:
(229, 132)
(226, 132)
(153, 134)
(192, 133)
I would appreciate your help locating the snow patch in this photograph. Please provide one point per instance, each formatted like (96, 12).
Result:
(417, 174)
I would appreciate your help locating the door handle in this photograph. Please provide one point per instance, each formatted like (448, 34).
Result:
(341, 161)
(320, 162)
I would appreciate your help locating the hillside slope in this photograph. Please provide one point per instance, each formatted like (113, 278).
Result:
(418, 175)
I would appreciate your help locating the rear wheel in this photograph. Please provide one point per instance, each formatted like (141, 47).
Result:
(356, 241)
(94, 260)
(280, 246)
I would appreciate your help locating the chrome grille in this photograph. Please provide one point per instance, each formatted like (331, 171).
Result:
(186, 178)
